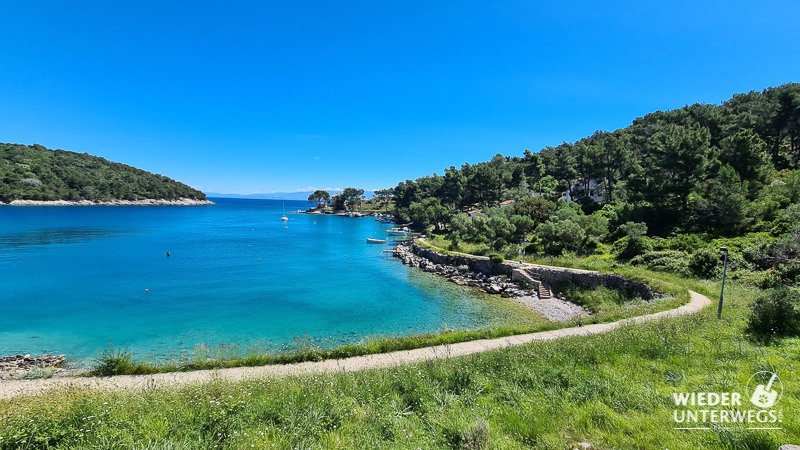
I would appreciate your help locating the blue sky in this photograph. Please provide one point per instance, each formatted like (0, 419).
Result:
(281, 96)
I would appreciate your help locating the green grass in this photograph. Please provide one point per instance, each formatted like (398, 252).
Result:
(302, 351)
(611, 390)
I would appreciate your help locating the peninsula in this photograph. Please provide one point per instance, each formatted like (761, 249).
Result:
(32, 175)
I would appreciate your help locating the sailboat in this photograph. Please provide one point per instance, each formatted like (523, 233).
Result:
(284, 218)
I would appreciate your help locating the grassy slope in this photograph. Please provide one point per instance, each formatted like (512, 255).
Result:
(611, 390)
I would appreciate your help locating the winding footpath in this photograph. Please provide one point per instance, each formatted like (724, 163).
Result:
(20, 388)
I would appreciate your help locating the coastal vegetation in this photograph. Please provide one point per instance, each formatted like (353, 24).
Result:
(663, 193)
(37, 173)
(319, 197)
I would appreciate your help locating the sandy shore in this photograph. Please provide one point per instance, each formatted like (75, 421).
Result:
(19, 388)
(146, 202)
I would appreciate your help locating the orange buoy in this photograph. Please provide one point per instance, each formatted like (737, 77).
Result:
(287, 228)
(147, 290)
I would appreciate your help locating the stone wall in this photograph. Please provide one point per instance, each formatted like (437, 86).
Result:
(480, 264)
(546, 274)
(591, 280)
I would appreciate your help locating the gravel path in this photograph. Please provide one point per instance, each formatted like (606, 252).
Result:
(554, 309)
(19, 388)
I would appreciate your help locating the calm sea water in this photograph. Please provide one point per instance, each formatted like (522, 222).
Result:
(73, 279)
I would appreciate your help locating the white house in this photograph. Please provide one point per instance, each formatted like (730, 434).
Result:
(578, 186)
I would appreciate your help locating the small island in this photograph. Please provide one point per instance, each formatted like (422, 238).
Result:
(32, 175)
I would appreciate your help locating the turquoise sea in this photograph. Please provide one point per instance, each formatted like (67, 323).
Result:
(73, 279)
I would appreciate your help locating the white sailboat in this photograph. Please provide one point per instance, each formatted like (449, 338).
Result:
(284, 218)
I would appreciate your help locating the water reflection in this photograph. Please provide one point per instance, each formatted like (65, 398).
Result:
(28, 240)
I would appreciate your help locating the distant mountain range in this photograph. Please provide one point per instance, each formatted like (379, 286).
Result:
(277, 195)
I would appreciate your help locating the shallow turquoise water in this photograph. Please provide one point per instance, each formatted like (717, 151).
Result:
(73, 279)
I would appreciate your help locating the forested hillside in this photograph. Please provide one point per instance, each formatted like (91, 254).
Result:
(36, 173)
(663, 192)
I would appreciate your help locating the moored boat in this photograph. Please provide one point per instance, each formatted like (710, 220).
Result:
(396, 231)
(376, 241)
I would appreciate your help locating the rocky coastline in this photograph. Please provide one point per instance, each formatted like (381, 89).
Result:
(553, 309)
(462, 276)
(145, 202)
(18, 366)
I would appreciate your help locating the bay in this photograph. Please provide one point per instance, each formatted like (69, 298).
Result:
(74, 279)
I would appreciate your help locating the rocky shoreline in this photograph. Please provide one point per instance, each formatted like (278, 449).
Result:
(553, 309)
(145, 202)
(17, 366)
(462, 276)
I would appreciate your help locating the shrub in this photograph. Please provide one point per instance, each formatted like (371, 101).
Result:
(38, 372)
(687, 242)
(627, 247)
(557, 235)
(499, 244)
(666, 260)
(592, 243)
(114, 361)
(775, 313)
(705, 263)
(633, 230)
(495, 258)
(476, 437)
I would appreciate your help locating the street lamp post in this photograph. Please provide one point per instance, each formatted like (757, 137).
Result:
(724, 271)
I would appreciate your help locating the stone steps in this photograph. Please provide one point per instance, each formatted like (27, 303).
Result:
(524, 275)
(544, 291)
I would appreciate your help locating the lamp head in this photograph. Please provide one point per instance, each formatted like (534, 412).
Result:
(723, 249)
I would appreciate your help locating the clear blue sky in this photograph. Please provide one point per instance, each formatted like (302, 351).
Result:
(279, 96)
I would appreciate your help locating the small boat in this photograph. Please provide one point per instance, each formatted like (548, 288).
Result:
(397, 231)
(284, 218)
(376, 241)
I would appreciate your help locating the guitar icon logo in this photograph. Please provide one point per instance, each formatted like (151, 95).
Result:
(766, 396)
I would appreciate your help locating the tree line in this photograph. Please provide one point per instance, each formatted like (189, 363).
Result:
(694, 174)
(350, 199)
(695, 168)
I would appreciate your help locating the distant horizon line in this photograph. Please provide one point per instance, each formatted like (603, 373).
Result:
(297, 195)
(299, 191)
